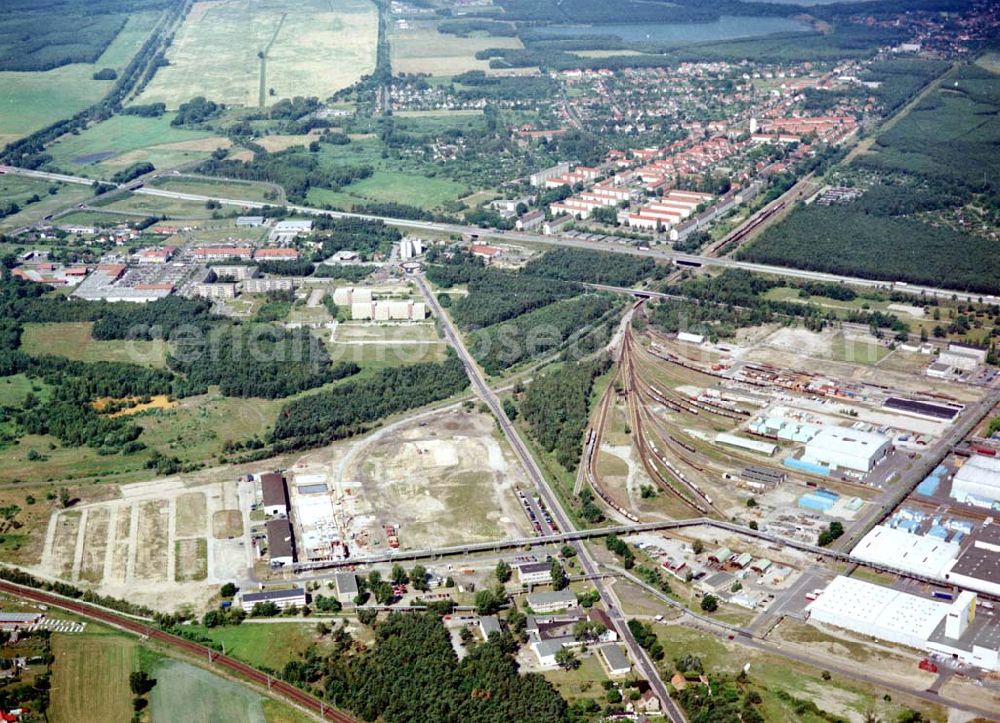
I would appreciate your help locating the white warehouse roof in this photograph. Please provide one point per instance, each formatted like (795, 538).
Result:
(893, 547)
(880, 612)
(978, 476)
(837, 447)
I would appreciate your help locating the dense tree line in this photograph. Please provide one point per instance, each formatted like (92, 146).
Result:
(149, 110)
(195, 111)
(532, 335)
(256, 361)
(347, 272)
(842, 240)
(353, 406)
(293, 169)
(298, 267)
(496, 295)
(464, 28)
(556, 405)
(132, 172)
(360, 235)
(596, 267)
(42, 36)
(412, 673)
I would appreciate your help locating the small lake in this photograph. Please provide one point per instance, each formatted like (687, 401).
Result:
(727, 27)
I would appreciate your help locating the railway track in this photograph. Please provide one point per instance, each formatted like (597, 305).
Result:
(275, 686)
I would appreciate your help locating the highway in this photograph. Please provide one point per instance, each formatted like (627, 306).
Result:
(560, 240)
(643, 662)
(144, 630)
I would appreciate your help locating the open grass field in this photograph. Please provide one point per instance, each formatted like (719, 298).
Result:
(90, 677)
(378, 356)
(198, 428)
(263, 644)
(32, 100)
(411, 189)
(420, 48)
(195, 430)
(187, 693)
(582, 683)
(770, 674)
(117, 136)
(14, 388)
(218, 189)
(20, 188)
(314, 48)
(73, 340)
(157, 206)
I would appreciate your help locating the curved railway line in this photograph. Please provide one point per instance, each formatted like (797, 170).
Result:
(275, 686)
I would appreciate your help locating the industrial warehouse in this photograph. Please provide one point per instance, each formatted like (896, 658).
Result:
(950, 629)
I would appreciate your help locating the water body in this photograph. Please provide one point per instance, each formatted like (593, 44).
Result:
(727, 27)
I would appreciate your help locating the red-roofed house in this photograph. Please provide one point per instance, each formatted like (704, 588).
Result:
(276, 254)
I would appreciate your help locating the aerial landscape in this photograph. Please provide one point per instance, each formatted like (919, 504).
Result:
(500, 360)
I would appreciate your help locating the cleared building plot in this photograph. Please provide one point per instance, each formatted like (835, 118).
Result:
(191, 515)
(151, 552)
(191, 559)
(152, 541)
(95, 545)
(310, 48)
(442, 481)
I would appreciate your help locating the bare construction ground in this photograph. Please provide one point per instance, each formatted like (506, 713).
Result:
(443, 481)
(153, 539)
(95, 545)
(151, 553)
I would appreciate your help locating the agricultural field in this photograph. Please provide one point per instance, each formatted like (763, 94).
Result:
(74, 341)
(186, 692)
(33, 99)
(311, 48)
(124, 139)
(90, 676)
(420, 48)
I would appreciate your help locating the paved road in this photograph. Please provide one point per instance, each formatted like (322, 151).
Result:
(449, 228)
(643, 662)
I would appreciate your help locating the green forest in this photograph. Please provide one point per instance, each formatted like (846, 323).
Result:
(935, 160)
(412, 674)
(42, 36)
(556, 406)
(352, 406)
